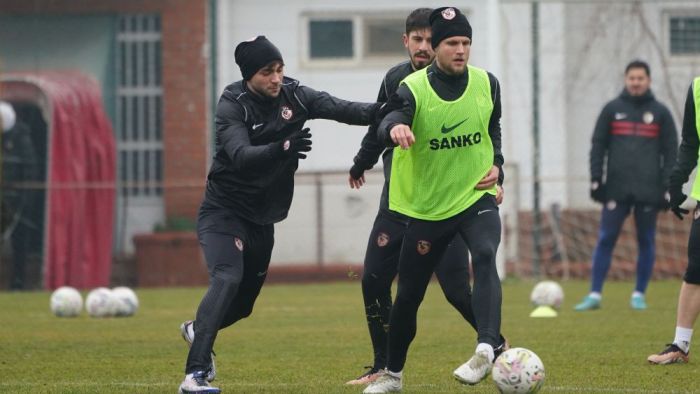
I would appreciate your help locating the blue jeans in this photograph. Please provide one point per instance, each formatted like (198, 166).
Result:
(611, 222)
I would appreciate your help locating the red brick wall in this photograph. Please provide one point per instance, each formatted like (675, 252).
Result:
(185, 96)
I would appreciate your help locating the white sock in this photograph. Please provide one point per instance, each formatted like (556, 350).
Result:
(637, 294)
(395, 374)
(682, 339)
(595, 295)
(485, 347)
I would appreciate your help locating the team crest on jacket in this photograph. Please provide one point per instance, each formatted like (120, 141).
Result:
(287, 112)
(382, 239)
(448, 13)
(239, 243)
(648, 117)
(423, 247)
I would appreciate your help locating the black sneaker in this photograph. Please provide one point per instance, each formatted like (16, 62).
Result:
(671, 355)
(497, 351)
(368, 377)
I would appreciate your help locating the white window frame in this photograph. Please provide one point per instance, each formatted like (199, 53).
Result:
(360, 56)
(666, 36)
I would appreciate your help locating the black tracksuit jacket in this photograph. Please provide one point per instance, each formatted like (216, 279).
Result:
(448, 88)
(637, 137)
(688, 152)
(246, 176)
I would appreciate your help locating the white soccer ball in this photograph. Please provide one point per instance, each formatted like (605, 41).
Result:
(100, 302)
(518, 370)
(547, 293)
(66, 301)
(126, 301)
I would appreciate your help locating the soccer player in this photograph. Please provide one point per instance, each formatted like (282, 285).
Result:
(635, 140)
(689, 297)
(446, 128)
(260, 138)
(384, 245)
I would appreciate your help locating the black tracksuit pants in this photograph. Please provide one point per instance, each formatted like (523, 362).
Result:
(425, 243)
(238, 255)
(380, 269)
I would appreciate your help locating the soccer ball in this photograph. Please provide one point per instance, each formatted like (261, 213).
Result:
(518, 370)
(126, 301)
(547, 293)
(100, 302)
(66, 301)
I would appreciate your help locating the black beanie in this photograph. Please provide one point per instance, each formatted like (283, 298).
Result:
(448, 22)
(252, 55)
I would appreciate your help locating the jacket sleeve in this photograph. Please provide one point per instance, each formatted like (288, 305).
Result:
(599, 143)
(232, 137)
(495, 125)
(688, 151)
(371, 148)
(322, 105)
(401, 108)
(669, 146)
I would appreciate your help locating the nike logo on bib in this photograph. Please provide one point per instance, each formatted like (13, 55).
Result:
(484, 211)
(446, 130)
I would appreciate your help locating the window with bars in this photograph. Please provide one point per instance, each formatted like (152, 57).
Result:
(684, 35)
(139, 105)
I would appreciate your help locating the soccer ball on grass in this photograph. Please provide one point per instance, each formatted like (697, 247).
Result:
(518, 370)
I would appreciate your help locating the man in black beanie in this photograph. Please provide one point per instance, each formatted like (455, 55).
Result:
(442, 129)
(260, 137)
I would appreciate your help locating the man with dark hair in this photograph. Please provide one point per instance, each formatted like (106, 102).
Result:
(446, 121)
(384, 245)
(689, 298)
(635, 140)
(260, 138)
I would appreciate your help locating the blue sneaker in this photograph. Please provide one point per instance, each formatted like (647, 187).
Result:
(638, 302)
(589, 303)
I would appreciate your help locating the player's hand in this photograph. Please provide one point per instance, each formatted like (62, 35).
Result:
(489, 179)
(402, 136)
(297, 143)
(676, 199)
(357, 177)
(598, 191)
(499, 194)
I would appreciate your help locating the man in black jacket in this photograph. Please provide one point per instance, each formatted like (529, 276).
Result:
(635, 140)
(384, 245)
(689, 297)
(260, 139)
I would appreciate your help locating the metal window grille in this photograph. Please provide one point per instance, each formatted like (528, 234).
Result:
(139, 105)
(685, 35)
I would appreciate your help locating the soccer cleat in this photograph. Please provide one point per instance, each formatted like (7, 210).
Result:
(196, 383)
(474, 370)
(370, 376)
(588, 303)
(187, 331)
(671, 355)
(385, 383)
(497, 351)
(638, 302)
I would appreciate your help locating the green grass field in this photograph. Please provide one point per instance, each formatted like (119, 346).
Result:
(312, 338)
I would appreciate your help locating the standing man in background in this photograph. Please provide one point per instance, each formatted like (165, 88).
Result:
(635, 142)
(446, 120)
(689, 297)
(260, 138)
(384, 245)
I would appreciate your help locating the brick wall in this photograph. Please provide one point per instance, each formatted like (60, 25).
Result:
(185, 97)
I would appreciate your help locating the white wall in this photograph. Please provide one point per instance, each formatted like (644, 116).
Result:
(584, 48)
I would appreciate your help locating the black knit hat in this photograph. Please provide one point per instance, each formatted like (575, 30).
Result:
(448, 22)
(252, 55)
